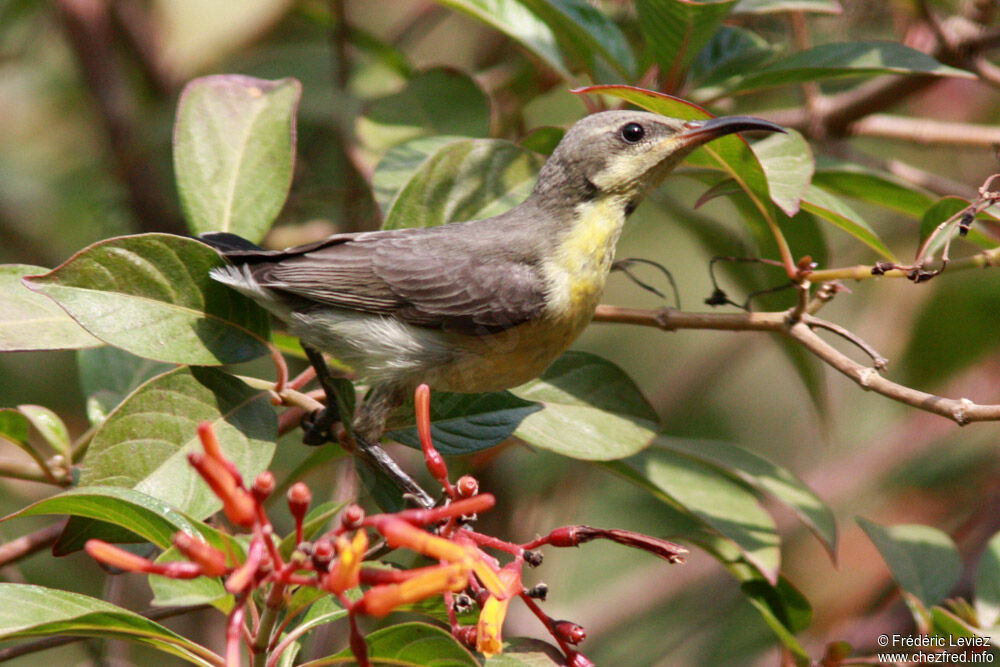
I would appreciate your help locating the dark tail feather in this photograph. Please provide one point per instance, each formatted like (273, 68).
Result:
(227, 243)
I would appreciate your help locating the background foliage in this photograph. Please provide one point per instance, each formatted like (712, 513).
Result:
(753, 452)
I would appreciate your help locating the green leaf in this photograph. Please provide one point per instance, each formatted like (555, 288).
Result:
(526, 652)
(676, 30)
(466, 423)
(955, 327)
(144, 443)
(30, 321)
(788, 163)
(923, 560)
(785, 610)
(872, 186)
(987, 590)
(461, 179)
(831, 61)
(942, 210)
(953, 629)
(766, 477)
(519, 23)
(416, 644)
(399, 165)
(323, 611)
(150, 518)
(50, 426)
(152, 296)
(828, 207)
(593, 410)
(15, 428)
(726, 507)
(434, 102)
(586, 31)
(169, 592)
(35, 611)
(234, 147)
(109, 374)
(776, 6)
(730, 51)
(543, 139)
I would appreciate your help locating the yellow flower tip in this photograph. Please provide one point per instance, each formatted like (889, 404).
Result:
(489, 630)
(346, 572)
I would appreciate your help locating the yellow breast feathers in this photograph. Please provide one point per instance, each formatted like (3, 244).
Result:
(577, 272)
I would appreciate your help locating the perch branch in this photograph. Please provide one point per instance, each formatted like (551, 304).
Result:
(962, 411)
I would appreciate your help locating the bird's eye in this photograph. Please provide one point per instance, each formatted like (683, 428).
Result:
(632, 132)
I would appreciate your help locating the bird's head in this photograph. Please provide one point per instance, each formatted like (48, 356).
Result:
(626, 153)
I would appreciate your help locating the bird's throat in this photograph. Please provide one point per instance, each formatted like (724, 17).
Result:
(579, 267)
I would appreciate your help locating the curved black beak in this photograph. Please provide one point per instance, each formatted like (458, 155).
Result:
(697, 132)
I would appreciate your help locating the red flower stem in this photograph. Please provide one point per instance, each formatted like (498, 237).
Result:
(265, 533)
(549, 625)
(302, 379)
(449, 604)
(421, 517)
(491, 542)
(234, 633)
(358, 645)
(281, 368)
(435, 462)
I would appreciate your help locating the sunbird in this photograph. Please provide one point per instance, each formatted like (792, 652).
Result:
(470, 306)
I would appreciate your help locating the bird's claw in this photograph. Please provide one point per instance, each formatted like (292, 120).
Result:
(317, 428)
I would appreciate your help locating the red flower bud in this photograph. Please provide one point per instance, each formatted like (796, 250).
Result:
(352, 517)
(263, 486)
(570, 632)
(575, 659)
(322, 555)
(467, 486)
(299, 499)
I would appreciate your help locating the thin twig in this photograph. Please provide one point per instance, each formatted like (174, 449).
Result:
(962, 411)
(26, 545)
(926, 131)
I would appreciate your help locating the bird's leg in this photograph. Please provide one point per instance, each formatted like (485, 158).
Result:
(369, 424)
(318, 426)
(366, 430)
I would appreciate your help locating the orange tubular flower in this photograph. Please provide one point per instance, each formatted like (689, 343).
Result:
(380, 600)
(399, 533)
(111, 555)
(489, 631)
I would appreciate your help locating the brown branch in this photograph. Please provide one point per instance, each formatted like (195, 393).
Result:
(926, 131)
(89, 31)
(962, 411)
(982, 260)
(31, 543)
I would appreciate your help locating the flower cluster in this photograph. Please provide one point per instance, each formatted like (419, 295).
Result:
(461, 571)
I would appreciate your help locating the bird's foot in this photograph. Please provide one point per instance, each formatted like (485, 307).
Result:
(318, 427)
